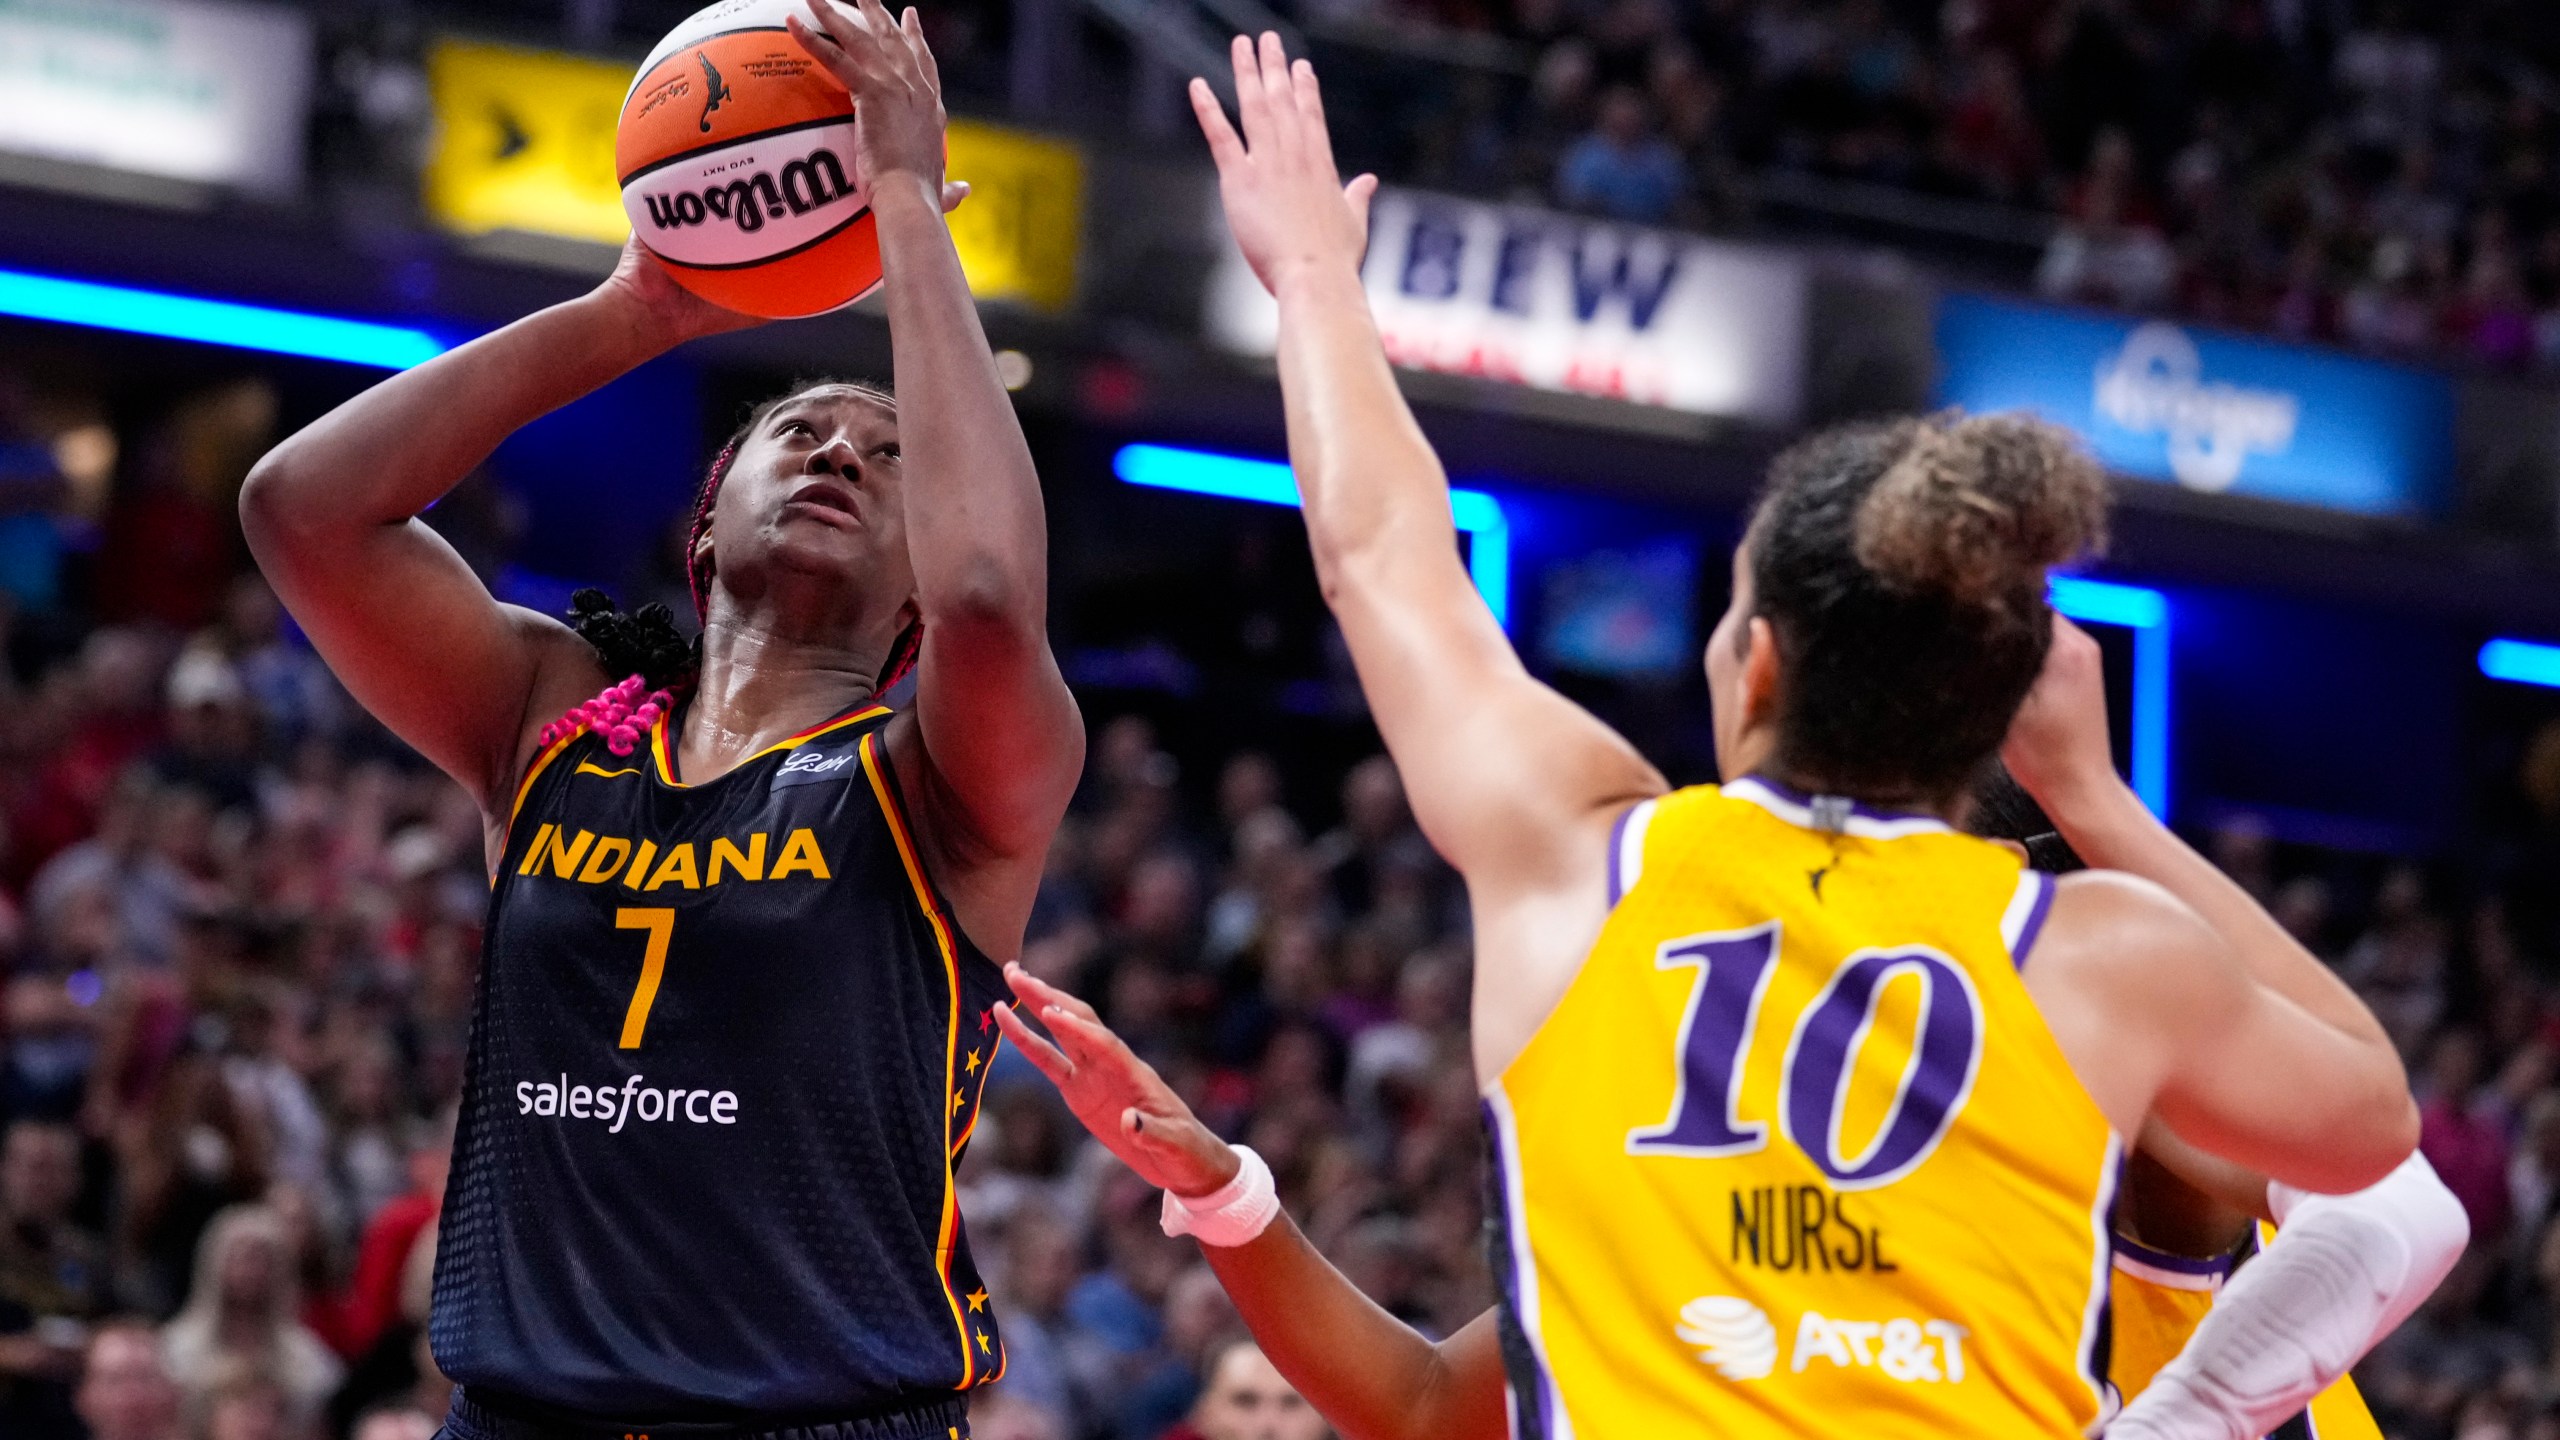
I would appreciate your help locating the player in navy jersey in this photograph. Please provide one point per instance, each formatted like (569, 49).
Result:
(734, 1011)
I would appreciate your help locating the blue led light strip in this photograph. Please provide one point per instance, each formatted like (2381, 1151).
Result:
(1269, 482)
(213, 322)
(2146, 613)
(2522, 662)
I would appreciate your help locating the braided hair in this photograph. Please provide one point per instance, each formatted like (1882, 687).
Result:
(644, 645)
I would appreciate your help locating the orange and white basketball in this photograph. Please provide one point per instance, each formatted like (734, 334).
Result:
(736, 156)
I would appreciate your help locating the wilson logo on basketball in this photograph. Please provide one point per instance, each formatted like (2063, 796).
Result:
(805, 184)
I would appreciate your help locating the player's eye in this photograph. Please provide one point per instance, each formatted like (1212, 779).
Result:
(889, 451)
(802, 426)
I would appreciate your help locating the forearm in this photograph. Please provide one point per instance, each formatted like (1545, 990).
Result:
(395, 449)
(1372, 1375)
(2339, 1278)
(1375, 497)
(975, 526)
(2110, 828)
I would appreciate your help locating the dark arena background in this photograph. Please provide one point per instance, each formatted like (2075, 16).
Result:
(2290, 267)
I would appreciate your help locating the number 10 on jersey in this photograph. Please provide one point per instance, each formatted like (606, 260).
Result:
(1723, 1015)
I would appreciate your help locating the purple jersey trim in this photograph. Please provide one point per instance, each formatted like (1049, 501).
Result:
(2034, 925)
(2219, 1265)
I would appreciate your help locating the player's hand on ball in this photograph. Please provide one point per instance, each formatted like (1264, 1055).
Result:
(2058, 746)
(1118, 1096)
(1285, 201)
(639, 280)
(896, 88)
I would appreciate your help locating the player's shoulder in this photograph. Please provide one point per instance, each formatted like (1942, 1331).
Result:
(2130, 939)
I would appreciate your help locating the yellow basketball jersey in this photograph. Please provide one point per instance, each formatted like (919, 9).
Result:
(2160, 1299)
(1796, 1155)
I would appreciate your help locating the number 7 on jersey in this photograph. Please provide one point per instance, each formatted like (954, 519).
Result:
(660, 922)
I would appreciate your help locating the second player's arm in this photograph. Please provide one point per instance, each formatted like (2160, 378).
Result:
(1373, 1376)
(1505, 775)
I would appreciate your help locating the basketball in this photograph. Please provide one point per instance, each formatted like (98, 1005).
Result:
(736, 158)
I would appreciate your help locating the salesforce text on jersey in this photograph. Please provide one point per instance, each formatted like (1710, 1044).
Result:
(620, 1106)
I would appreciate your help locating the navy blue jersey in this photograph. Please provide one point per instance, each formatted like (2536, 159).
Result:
(727, 1050)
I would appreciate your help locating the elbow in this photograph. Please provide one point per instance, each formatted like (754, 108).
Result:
(987, 594)
(267, 512)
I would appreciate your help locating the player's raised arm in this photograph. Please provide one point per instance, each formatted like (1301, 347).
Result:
(1001, 739)
(331, 515)
(2269, 1059)
(1373, 1376)
(1514, 784)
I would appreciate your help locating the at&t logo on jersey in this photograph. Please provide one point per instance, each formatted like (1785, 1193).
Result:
(1735, 1339)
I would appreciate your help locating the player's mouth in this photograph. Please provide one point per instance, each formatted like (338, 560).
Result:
(827, 501)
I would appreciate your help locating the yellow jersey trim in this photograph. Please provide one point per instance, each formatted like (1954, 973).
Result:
(661, 744)
(948, 1230)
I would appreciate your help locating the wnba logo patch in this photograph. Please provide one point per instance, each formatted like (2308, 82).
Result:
(1734, 1338)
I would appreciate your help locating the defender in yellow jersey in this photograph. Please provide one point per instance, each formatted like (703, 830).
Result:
(1799, 1012)
(1796, 1140)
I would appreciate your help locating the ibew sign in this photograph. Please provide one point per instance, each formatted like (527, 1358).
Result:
(1558, 302)
(2209, 412)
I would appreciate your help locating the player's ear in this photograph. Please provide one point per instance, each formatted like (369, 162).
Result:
(1760, 681)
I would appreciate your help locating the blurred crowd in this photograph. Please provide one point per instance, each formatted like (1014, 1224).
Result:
(2373, 173)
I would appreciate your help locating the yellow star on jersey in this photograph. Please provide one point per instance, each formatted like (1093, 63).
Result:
(977, 1300)
(973, 1062)
(983, 1347)
(955, 1102)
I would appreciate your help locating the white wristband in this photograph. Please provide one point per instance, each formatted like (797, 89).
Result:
(1235, 1213)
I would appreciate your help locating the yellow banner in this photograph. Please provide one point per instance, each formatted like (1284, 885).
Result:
(524, 141)
(1023, 225)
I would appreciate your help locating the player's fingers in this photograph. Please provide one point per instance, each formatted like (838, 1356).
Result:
(1087, 1041)
(1253, 108)
(912, 25)
(953, 192)
(1309, 99)
(1362, 189)
(1039, 992)
(821, 47)
(839, 27)
(1044, 1056)
(1273, 64)
(1224, 148)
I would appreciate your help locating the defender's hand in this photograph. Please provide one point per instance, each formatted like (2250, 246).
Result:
(673, 313)
(1118, 1096)
(2058, 745)
(1285, 201)
(896, 88)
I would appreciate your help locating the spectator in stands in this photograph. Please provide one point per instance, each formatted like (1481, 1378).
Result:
(239, 1348)
(1623, 169)
(125, 1390)
(1247, 1399)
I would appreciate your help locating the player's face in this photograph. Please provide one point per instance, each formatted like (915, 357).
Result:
(816, 491)
(1728, 661)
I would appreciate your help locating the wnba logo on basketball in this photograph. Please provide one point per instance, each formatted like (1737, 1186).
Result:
(807, 183)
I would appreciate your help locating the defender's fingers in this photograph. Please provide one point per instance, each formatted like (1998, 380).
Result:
(839, 27)
(1273, 61)
(1310, 102)
(1253, 108)
(1224, 148)
(953, 192)
(1044, 1056)
(1089, 1042)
